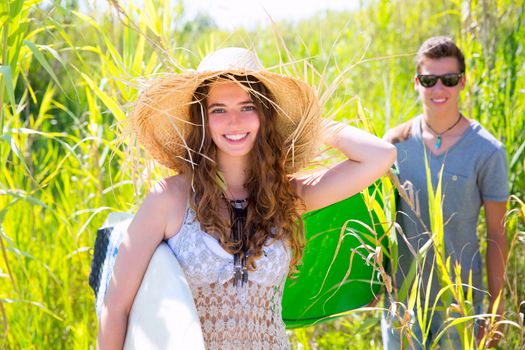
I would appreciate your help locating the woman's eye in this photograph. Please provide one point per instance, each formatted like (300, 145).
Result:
(217, 110)
(249, 108)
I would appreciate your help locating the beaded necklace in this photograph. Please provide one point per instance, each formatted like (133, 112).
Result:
(238, 209)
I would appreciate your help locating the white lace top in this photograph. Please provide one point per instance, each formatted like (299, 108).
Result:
(231, 318)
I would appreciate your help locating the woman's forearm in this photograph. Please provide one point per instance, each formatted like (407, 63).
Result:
(112, 330)
(358, 145)
(368, 159)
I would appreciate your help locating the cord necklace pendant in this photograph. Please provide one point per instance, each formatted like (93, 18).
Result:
(439, 134)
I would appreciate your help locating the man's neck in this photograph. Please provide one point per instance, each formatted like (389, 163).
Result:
(441, 121)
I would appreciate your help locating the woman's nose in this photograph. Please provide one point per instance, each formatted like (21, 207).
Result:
(235, 118)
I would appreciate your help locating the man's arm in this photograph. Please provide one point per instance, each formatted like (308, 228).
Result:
(496, 248)
(496, 259)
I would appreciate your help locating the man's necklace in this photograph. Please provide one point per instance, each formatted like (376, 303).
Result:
(439, 134)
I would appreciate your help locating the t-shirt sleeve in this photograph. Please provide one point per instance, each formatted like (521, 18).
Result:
(493, 177)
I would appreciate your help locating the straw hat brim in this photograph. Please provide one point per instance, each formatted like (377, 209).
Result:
(161, 117)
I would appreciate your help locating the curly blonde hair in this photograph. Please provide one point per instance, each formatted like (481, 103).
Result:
(273, 204)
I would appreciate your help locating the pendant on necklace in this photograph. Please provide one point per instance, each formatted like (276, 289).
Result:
(438, 141)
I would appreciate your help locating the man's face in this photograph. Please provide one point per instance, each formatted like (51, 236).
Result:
(440, 98)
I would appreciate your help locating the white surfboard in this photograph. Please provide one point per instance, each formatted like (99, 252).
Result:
(163, 315)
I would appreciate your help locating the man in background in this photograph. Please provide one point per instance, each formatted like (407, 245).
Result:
(474, 175)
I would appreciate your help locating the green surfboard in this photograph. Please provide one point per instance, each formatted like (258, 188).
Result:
(334, 276)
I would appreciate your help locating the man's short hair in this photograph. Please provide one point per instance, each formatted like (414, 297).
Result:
(440, 47)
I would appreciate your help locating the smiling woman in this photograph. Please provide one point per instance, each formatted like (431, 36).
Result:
(236, 134)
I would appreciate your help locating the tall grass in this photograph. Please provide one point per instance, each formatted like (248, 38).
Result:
(67, 79)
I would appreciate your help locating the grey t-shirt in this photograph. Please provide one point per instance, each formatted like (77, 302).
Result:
(475, 170)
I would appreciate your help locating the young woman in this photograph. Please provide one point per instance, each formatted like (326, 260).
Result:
(236, 134)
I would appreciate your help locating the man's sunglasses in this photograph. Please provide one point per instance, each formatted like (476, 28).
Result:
(449, 80)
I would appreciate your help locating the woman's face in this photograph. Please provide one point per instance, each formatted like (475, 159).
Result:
(233, 118)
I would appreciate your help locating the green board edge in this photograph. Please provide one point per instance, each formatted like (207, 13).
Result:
(335, 276)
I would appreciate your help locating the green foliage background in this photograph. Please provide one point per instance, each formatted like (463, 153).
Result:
(69, 77)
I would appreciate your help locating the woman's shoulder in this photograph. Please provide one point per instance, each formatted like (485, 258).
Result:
(172, 188)
(170, 196)
(167, 196)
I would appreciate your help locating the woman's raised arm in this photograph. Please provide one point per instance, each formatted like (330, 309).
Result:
(369, 158)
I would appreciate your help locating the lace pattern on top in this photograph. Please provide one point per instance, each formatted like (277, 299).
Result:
(230, 324)
(204, 260)
(231, 318)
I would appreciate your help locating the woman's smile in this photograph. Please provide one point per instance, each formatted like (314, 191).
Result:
(236, 138)
(233, 118)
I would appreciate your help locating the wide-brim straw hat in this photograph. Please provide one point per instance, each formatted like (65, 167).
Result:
(161, 117)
